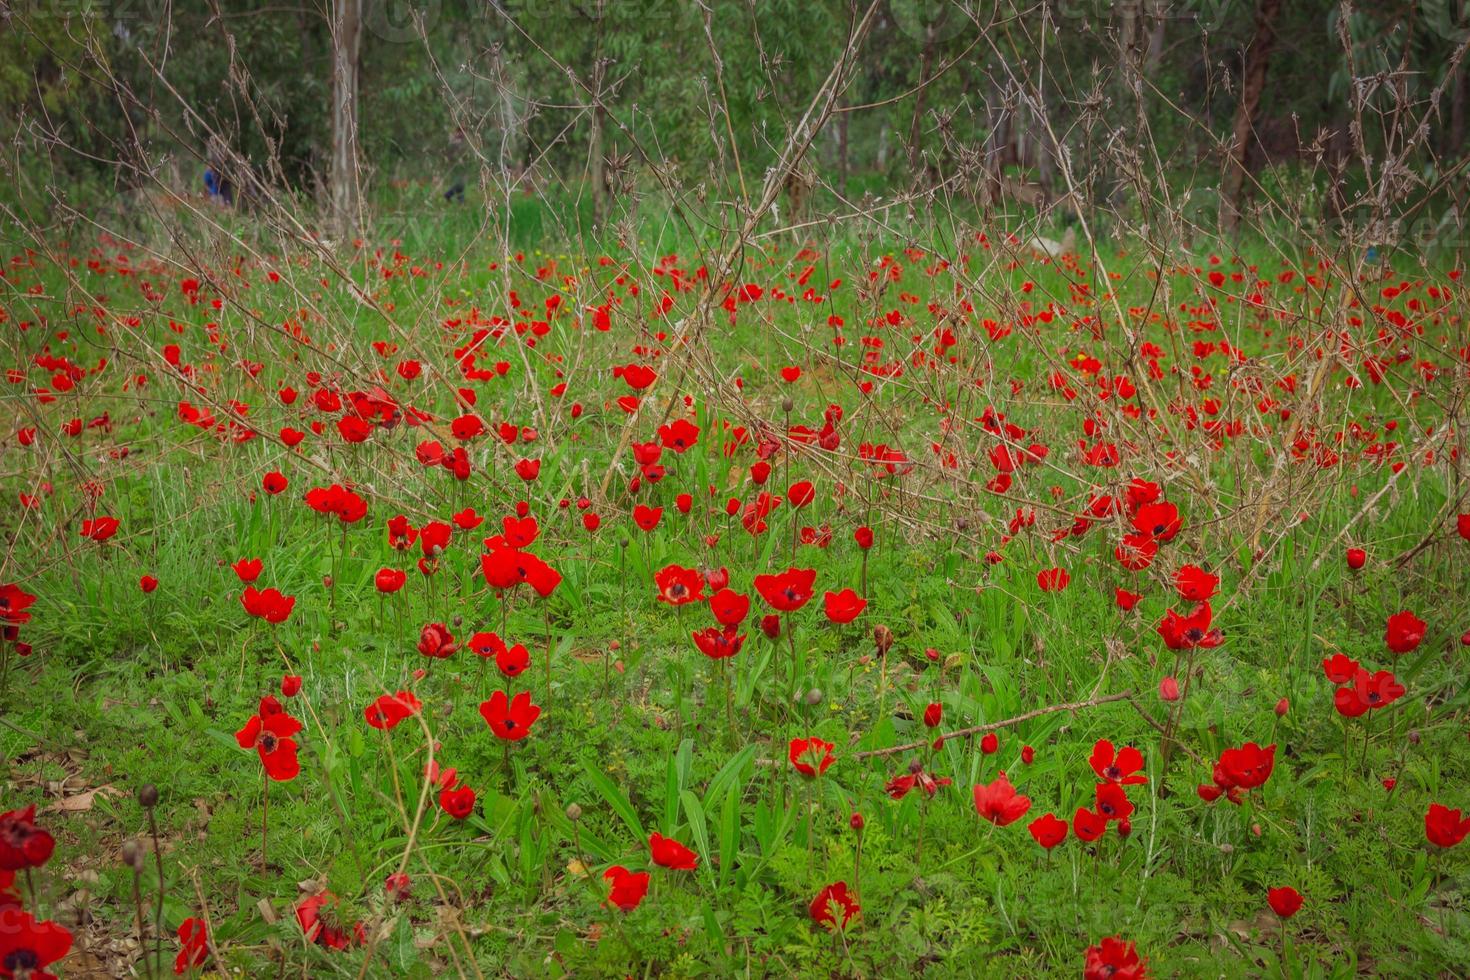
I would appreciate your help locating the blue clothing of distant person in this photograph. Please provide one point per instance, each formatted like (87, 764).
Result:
(219, 188)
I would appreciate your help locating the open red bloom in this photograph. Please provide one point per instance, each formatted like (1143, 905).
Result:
(811, 756)
(269, 604)
(999, 802)
(389, 709)
(23, 844)
(1339, 668)
(27, 946)
(647, 517)
(1194, 584)
(1285, 901)
(844, 606)
(627, 887)
(458, 803)
(1053, 579)
(248, 569)
(832, 901)
(678, 585)
(314, 915)
(14, 601)
(1239, 770)
(1136, 551)
(729, 607)
(1159, 519)
(1367, 692)
(1117, 766)
(788, 591)
(716, 643)
(1444, 827)
(1088, 826)
(99, 528)
(194, 940)
(669, 853)
(270, 734)
(1112, 802)
(510, 718)
(1114, 959)
(1191, 631)
(1404, 631)
(1048, 830)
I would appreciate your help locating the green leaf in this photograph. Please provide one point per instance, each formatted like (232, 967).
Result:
(615, 798)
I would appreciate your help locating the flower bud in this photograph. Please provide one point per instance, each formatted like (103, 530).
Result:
(148, 796)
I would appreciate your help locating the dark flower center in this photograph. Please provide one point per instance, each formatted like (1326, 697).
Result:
(21, 960)
(267, 742)
(1194, 634)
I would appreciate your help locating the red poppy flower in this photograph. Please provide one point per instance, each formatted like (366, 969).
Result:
(669, 853)
(1404, 632)
(716, 643)
(290, 685)
(510, 719)
(512, 661)
(999, 802)
(148, 584)
(900, 786)
(458, 803)
(1112, 802)
(248, 569)
(99, 528)
(647, 517)
(270, 734)
(320, 928)
(1339, 668)
(388, 580)
(436, 641)
(1444, 827)
(1191, 631)
(528, 469)
(23, 844)
(1121, 766)
(864, 537)
(1244, 768)
(1048, 830)
(520, 532)
(832, 901)
(933, 714)
(788, 591)
(1462, 524)
(274, 482)
(1053, 579)
(194, 941)
(1088, 826)
(1136, 551)
(990, 743)
(1114, 959)
(269, 604)
(14, 601)
(1285, 901)
(1356, 558)
(1367, 692)
(811, 756)
(845, 606)
(678, 585)
(679, 435)
(801, 493)
(627, 888)
(389, 709)
(1194, 584)
(729, 607)
(1127, 601)
(1159, 519)
(27, 946)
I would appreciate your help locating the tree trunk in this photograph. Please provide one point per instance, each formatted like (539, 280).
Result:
(1456, 136)
(1252, 84)
(346, 62)
(916, 141)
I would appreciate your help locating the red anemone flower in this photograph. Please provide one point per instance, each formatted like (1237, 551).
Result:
(270, 734)
(1114, 959)
(1404, 632)
(389, 709)
(23, 844)
(999, 802)
(627, 887)
(845, 606)
(729, 607)
(320, 928)
(831, 901)
(811, 756)
(27, 946)
(718, 644)
(788, 591)
(510, 718)
(194, 940)
(1444, 827)
(1048, 830)
(1119, 766)
(1285, 901)
(678, 585)
(669, 853)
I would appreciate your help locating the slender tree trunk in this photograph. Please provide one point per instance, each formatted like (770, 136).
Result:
(346, 62)
(916, 142)
(1252, 84)
(1456, 135)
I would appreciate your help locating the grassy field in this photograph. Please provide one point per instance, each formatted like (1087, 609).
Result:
(989, 416)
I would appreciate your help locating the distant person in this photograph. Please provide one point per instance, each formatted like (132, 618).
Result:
(457, 143)
(221, 191)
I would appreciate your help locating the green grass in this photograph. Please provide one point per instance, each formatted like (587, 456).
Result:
(126, 689)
